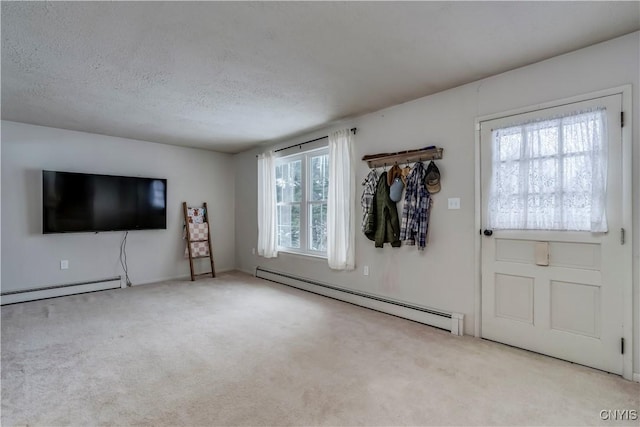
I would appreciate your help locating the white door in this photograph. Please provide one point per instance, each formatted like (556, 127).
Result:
(555, 292)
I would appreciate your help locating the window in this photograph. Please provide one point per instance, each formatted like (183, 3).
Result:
(302, 184)
(550, 174)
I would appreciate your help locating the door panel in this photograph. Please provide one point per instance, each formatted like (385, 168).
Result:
(575, 255)
(575, 308)
(514, 297)
(570, 308)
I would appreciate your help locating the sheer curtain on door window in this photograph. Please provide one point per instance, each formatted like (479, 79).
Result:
(550, 174)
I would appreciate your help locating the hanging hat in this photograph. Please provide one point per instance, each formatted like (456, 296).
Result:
(432, 178)
(395, 192)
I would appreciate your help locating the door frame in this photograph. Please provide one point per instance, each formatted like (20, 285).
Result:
(627, 205)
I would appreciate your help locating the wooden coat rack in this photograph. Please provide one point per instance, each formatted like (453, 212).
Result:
(408, 156)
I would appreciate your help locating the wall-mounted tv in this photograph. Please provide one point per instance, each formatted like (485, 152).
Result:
(80, 202)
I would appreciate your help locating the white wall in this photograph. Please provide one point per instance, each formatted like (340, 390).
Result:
(443, 276)
(31, 259)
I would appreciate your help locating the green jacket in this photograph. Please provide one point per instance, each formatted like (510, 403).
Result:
(383, 225)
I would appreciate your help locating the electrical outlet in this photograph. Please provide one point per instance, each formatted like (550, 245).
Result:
(454, 203)
(365, 270)
(253, 251)
(64, 264)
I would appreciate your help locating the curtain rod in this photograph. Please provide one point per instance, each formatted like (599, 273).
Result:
(300, 144)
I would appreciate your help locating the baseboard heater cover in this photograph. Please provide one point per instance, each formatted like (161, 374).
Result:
(12, 297)
(453, 322)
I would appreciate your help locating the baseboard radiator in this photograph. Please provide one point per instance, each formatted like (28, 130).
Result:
(12, 297)
(453, 322)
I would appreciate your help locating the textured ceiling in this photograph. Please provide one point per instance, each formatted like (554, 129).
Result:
(228, 75)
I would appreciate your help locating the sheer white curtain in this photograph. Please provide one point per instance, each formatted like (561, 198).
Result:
(340, 202)
(550, 174)
(267, 243)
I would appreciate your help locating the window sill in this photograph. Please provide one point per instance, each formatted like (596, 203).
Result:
(302, 254)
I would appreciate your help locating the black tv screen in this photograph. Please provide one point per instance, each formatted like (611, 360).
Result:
(76, 202)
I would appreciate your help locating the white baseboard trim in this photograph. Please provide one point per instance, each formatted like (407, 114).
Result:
(636, 377)
(453, 322)
(13, 297)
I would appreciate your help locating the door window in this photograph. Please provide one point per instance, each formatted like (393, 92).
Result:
(550, 174)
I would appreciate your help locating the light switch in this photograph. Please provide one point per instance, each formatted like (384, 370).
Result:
(454, 203)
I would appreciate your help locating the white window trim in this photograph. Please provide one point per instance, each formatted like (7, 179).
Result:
(305, 203)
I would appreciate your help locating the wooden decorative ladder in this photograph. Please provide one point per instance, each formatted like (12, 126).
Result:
(198, 234)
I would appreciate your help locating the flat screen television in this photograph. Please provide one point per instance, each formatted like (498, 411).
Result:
(80, 202)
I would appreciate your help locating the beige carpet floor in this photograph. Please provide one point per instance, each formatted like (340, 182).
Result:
(237, 350)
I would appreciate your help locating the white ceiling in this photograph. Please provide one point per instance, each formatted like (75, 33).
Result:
(226, 76)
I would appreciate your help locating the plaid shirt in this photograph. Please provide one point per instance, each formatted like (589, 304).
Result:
(415, 212)
(366, 200)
